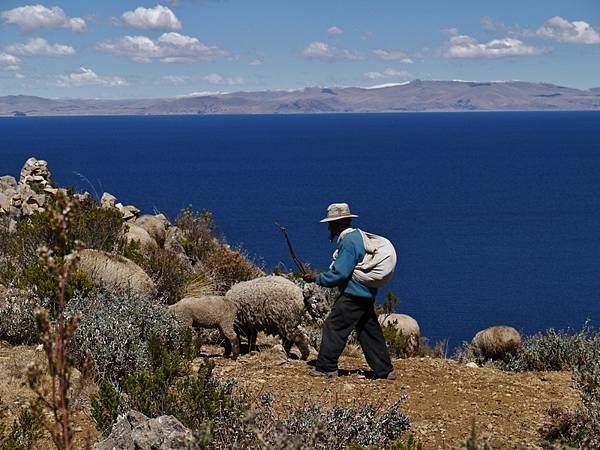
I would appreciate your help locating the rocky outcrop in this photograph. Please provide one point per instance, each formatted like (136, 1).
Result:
(135, 431)
(35, 172)
(129, 212)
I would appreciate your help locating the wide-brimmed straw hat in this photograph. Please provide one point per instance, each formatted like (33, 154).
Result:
(337, 211)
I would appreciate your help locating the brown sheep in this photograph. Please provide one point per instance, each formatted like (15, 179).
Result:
(210, 311)
(496, 342)
(115, 273)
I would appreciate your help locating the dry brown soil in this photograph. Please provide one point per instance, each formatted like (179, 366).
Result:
(444, 397)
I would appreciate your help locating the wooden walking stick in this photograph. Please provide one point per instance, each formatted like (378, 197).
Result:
(299, 264)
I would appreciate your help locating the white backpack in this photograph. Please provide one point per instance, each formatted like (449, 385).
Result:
(377, 267)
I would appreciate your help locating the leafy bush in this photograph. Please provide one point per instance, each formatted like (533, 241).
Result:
(105, 406)
(17, 316)
(225, 267)
(167, 387)
(169, 273)
(114, 331)
(198, 231)
(396, 341)
(580, 427)
(24, 433)
(219, 263)
(341, 426)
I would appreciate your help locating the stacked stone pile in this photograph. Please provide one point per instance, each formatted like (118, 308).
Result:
(29, 195)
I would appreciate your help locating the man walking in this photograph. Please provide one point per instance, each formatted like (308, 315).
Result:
(355, 306)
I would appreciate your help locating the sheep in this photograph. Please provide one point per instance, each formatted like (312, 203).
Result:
(138, 234)
(115, 272)
(409, 328)
(274, 305)
(210, 311)
(496, 342)
(156, 226)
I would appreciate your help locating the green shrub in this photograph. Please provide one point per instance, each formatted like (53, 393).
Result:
(198, 231)
(99, 228)
(168, 387)
(105, 406)
(226, 267)
(114, 331)
(170, 274)
(24, 433)
(396, 341)
(131, 249)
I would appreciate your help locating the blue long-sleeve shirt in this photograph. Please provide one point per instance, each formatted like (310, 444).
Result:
(350, 251)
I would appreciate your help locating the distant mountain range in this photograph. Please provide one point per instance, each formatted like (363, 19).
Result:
(415, 95)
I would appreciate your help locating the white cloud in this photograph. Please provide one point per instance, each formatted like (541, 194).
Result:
(40, 47)
(19, 76)
(34, 17)
(87, 77)
(334, 30)
(576, 32)
(9, 60)
(389, 55)
(326, 52)
(388, 73)
(256, 62)
(215, 78)
(175, 80)
(169, 48)
(160, 17)
(463, 46)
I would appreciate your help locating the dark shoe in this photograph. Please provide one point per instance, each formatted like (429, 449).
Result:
(318, 373)
(389, 376)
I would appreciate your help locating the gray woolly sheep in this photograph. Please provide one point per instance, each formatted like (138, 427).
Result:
(496, 342)
(156, 226)
(139, 234)
(210, 311)
(115, 272)
(409, 328)
(271, 304)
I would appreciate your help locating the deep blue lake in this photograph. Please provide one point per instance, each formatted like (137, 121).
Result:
(495, 216)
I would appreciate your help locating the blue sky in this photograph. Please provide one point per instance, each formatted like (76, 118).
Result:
(125, 48)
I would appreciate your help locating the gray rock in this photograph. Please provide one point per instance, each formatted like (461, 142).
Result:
(4, 203)
(7, 182)
(135, 431)
(129, 212)
(108, 200)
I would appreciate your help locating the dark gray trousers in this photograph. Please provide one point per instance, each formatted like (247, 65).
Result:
(351, 313)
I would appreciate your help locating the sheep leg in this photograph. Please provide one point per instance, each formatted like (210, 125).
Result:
(232, 343)
(287, 345)
(301, 341)
(252, 341)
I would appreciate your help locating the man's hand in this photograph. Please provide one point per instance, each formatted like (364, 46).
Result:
(310, 277)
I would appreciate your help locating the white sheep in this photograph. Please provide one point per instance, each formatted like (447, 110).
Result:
(409, 328)
(271, 304)
(496, 342)
(115, 272)
(211, 311)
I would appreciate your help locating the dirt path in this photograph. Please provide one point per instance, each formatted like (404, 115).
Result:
(444, 397)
